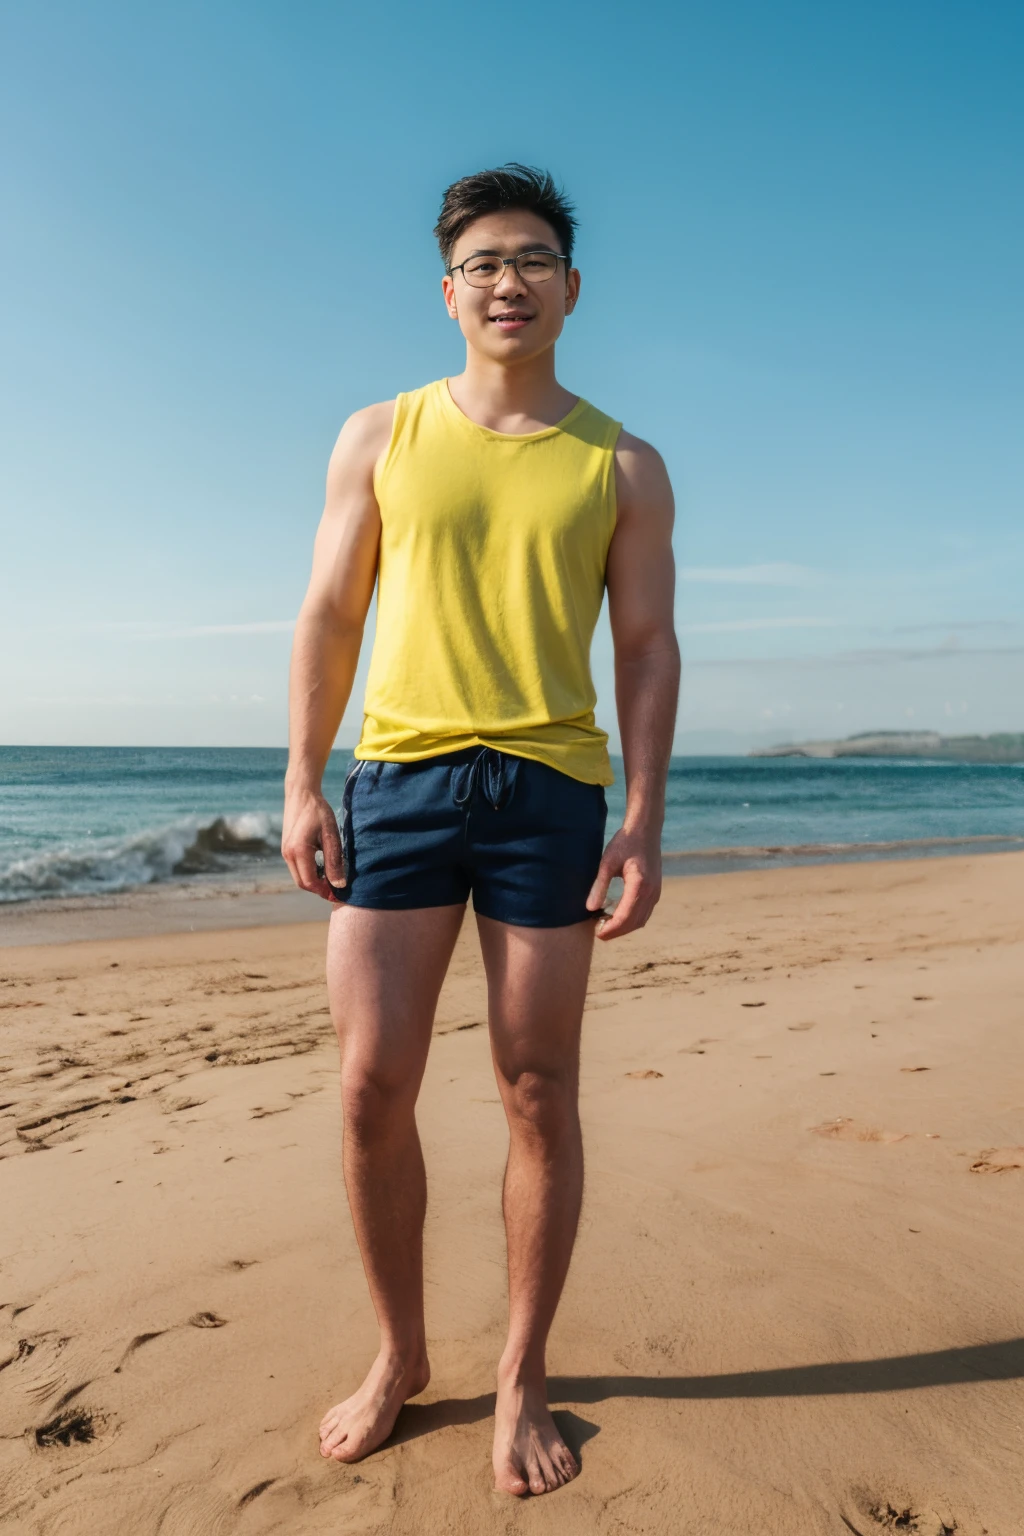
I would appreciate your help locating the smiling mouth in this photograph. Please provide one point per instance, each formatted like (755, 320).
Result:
(510, 317)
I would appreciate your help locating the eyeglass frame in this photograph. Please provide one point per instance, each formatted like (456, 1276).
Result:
(509, 261)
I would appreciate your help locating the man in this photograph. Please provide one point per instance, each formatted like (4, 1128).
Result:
(491, 509)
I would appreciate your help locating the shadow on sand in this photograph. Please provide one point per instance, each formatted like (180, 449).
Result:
(999, 1361)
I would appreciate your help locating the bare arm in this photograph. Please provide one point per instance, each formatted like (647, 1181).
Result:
(328, 636)
(641, 596)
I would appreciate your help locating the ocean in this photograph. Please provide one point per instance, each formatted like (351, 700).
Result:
(80, 821)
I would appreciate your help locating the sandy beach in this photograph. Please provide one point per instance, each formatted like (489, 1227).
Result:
(794, 1308)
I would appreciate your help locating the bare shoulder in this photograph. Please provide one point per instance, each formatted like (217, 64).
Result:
(362, 440)
(641, 479)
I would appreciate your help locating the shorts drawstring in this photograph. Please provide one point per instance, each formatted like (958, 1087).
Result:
(490, 771)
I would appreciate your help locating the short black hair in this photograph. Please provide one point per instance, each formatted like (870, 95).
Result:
(510, 186)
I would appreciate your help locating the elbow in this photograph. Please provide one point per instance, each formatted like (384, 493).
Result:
(326, 619)
(655, 652)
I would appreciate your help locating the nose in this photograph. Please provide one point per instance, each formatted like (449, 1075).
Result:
(510, 282)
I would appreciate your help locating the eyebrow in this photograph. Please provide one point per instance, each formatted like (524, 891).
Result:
(522, 251)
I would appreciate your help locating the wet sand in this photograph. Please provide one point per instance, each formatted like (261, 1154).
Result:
(795, 1303)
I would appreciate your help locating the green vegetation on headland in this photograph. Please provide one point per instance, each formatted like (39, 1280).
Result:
(1004, 748)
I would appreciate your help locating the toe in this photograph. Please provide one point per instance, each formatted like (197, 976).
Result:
(509, 1479)
(567, 1462)
(511, 1474)
(332, 1440)
(551, 1466)
(538, 1480)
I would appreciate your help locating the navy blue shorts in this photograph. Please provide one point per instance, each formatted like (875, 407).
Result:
(523, 838)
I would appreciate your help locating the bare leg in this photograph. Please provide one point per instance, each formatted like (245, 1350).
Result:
(537, 982)
(384, 973)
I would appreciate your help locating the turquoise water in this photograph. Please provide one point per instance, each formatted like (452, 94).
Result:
(81, 820)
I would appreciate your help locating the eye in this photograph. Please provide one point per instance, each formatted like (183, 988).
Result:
(481, 264)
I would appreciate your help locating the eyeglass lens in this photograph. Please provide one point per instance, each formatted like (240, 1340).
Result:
(532, 266)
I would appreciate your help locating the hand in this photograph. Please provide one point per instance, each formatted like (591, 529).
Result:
(636, 856)
(310, 826)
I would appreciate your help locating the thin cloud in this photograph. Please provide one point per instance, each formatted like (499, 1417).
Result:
(950, 626)
(779, 573)
(257, 627)
(881, 656)
(170, 629)
(734, 626)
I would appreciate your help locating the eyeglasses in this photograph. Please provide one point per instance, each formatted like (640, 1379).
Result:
(486, 271)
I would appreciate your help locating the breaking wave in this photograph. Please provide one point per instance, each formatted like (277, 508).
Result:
(178, 851)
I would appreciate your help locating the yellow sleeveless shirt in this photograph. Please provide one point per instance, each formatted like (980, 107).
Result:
(490, 580)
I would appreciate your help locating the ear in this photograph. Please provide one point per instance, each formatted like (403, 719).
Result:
(448, 289)
(572, 289)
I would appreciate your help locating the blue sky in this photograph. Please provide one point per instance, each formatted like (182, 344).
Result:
(802, 240)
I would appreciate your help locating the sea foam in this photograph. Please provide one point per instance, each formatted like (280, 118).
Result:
(177, 851)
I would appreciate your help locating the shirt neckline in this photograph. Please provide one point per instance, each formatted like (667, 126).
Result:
(507, 437)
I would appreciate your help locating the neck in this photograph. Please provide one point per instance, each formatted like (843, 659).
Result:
(519, 397)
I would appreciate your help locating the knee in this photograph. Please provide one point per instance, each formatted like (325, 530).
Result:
(541, 1104)
(373, 1099)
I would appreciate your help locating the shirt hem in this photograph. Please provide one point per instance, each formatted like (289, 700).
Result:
(605, 779)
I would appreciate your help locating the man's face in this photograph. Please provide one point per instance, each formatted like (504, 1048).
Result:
(515, 320)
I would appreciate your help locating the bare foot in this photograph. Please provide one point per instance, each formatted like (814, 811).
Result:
(361, 1423)
(530, 1455)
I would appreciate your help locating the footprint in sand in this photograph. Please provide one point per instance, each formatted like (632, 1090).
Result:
(845, 1129)
(796, 1027)
(998, 1160)
(207, 1320)
(915, 1069)
(647, 1072)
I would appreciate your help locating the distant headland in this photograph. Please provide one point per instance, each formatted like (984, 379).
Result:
(1005, 748)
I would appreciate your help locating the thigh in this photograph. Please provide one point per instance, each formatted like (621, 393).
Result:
(536, 991)
(384, 975)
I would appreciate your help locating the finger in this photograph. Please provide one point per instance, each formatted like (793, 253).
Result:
(640, 917)
(334, 857)
(599, 889)
(310, 878)
(292, 870)
(612, 928)
(621, 920)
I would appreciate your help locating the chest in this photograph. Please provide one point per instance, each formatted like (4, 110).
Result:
(497, 496)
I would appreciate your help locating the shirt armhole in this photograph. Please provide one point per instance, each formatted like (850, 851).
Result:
(382, 464)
